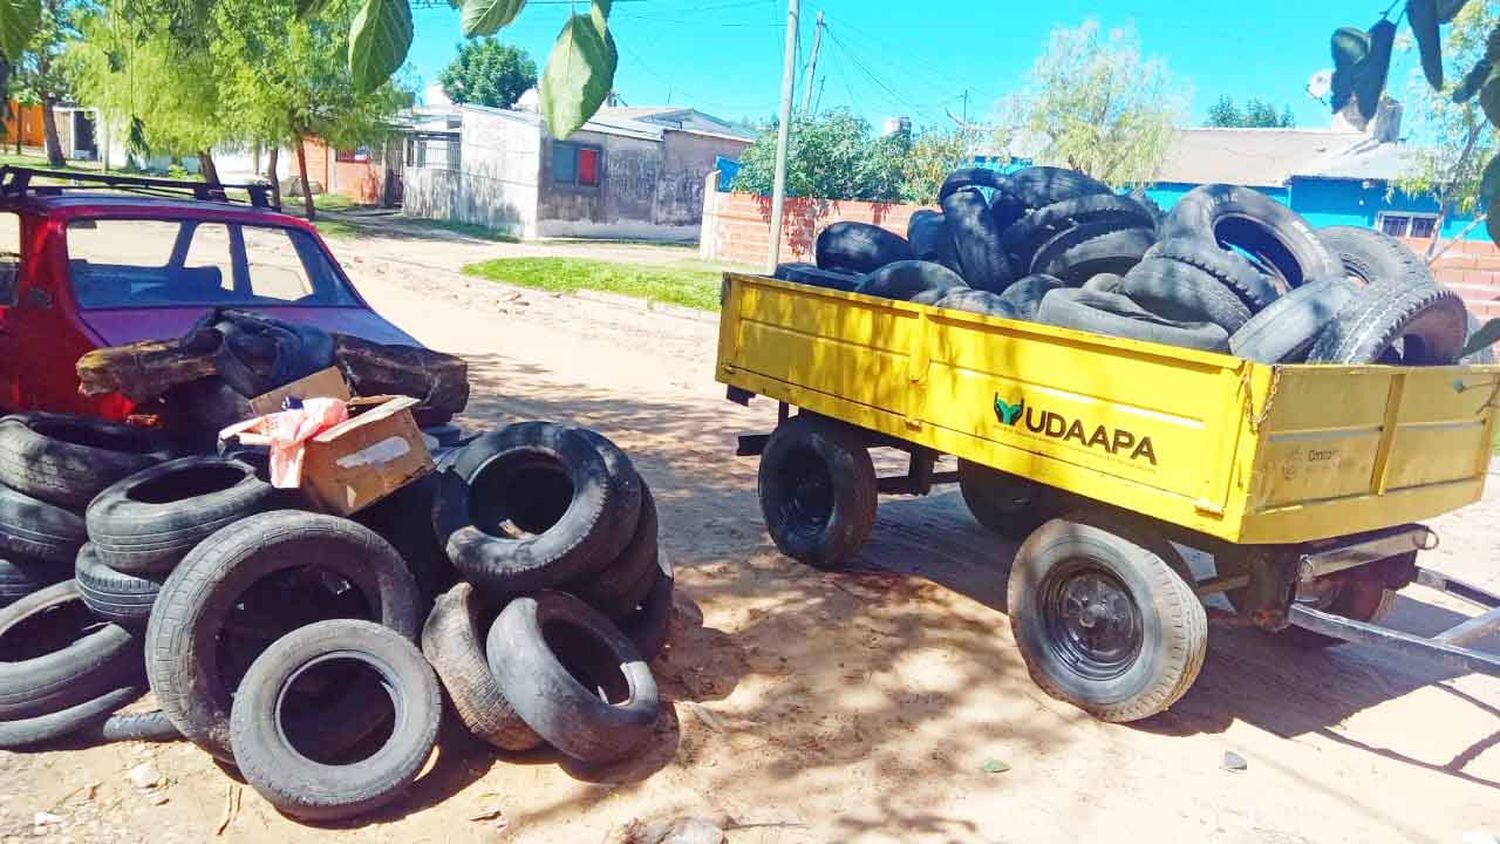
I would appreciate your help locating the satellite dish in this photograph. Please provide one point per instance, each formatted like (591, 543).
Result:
(1320, 84)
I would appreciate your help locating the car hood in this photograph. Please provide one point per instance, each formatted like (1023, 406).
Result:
(119, 326)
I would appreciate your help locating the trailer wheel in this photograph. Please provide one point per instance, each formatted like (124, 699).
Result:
(1103, 619)
(1359, 598)
(1006, 504)
(817, 491)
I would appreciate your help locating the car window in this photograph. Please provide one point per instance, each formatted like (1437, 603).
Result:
(119, 263)
(10, 256)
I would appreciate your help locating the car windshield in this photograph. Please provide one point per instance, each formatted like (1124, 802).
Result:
(132, 263)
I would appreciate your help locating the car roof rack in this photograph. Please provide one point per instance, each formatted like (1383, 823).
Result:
(18, 181)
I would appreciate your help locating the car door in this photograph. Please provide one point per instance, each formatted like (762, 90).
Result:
(10, 289)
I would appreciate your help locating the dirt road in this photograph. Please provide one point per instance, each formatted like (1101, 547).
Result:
(864, 706)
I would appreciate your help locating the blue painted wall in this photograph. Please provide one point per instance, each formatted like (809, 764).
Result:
(1337, 202)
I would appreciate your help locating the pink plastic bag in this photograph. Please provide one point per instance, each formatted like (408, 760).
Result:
(289, 429)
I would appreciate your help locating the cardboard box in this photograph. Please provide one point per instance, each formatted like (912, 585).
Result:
(377, 451)
(324, 384)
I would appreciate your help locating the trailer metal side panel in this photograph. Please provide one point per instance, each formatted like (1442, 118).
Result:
(1241, 451)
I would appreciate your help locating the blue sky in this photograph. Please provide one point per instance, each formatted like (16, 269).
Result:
(884, 58)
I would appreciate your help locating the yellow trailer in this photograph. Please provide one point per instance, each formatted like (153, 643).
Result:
(1304, 481)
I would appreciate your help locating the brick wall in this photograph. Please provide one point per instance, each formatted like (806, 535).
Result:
(737, 229)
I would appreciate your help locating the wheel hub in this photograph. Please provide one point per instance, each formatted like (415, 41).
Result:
(1093, 622)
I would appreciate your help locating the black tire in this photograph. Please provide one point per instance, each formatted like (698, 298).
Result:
(927, 232)
(1038, 187)
(313, 790)
(1117, 316)
(922, 282)
(147, 522)
(621, 584)
(976, 239)
(1074, 575)
(975, 177)
(116, 596)
(1008, 505)
(810, 275)
(817, 491)
(453, 641)
(1106, 283)
(1369, 257)
(1428, 321)
(1185, 293)
(858, 247)
(20, 577)
(67, 460)
(541, 646)
(77, 718)
(83, 659)
(979, 302)
(32, 528)
(1233, 270)
(1078, 254)
(1272, 233)
(535, 505)
(197, 599)
(1285, 330)
(404, 519)
(1030, 233)
(143, 726)
(649, 627)
(1359, 598)
(1026, 295)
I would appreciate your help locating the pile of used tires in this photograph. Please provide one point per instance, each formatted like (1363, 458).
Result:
(307, 649)
(1227, 270)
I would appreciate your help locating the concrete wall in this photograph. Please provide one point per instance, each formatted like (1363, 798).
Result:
(647, 188)
(496, 182)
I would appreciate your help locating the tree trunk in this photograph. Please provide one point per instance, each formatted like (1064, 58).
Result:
(307, 197)
(207, 168)
(271, 162)
(49, 131)
(1445, 207)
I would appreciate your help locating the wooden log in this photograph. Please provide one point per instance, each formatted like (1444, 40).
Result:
(438, 380)
(142, 371)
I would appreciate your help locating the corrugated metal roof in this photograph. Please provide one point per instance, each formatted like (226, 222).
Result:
(1252, 157)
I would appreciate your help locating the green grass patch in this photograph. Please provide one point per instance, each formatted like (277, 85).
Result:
(690, 288)
(338, 228)
(466, 229)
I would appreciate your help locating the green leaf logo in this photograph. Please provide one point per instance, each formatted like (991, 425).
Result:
(1008, 414)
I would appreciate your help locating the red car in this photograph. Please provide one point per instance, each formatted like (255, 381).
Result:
(107, 260)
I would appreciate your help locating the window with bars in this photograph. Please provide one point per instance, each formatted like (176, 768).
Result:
(1407, 225)
(575, 164)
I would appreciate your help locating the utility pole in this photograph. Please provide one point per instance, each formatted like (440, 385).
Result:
(812, 64)
(783, 133)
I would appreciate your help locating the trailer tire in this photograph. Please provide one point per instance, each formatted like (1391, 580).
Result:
(1369, 256)
(817, 491)
(1271, 232)
(1232, 269)
(1428, 320)
(1285, 330)
(1183, 292)
(1357, 598)
(1008, 505)
(1025, 296)
(976, 238)
(67, 460)
(1114, 315)
(1103, 618)
(979, 302)
(975, 177)
(1082, 252)
(1027, 235)
(858, 247)
(1038, 187)
(920, 282)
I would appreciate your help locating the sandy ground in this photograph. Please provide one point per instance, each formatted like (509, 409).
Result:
(863, 706)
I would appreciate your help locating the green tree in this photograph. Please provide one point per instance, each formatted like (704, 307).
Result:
(1257, 114)
(1450, 166)
(40, 77)
(488, 73)
(1101, 106)
(578, 78)
(928, 160)
(830, 156)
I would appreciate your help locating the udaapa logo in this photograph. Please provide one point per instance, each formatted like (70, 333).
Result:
(1048, 423)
